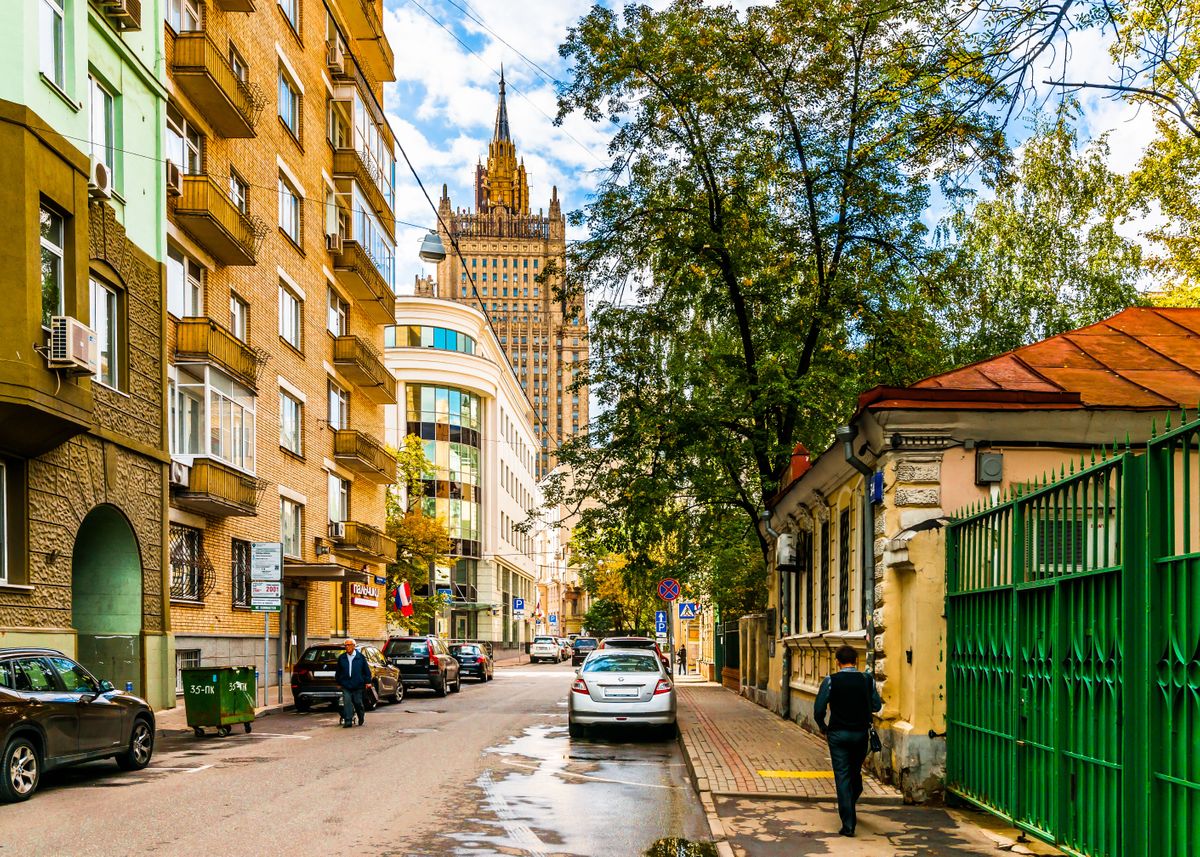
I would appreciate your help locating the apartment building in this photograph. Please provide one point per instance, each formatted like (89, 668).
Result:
(279, 273)
(458, 394)
(83, 447)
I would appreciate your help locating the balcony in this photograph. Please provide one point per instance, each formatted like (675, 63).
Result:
(360, 363)
(362, 542)
(201, 71)
(350, 163)
(370, 44)
(359, 275)
(216, 490)
(209, 216)
(364, 455)
(204, 340)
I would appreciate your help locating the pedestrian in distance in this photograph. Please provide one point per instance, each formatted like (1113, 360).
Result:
(850, 698)
(352, 676)
(682, 663)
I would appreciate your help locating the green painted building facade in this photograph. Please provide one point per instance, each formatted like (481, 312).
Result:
(83, 437)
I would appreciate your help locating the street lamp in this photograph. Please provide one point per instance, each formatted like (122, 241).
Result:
(432, 249)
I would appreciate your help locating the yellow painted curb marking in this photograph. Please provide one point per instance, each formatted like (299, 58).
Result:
(797, 775)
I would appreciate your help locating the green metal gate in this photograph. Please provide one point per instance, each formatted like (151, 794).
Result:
(1073, 612)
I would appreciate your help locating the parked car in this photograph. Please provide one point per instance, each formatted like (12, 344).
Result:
(424, 662)
(621, 687)
(581, 648)
(473, 660)
(313, 677)
(565, 645)
(637, 643)
(53, 712)
(545, 648)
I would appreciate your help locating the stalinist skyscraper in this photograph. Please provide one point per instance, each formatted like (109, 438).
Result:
(514, 263)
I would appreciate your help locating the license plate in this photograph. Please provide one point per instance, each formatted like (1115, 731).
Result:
(406, 660)
(323, 674)
(620, 693)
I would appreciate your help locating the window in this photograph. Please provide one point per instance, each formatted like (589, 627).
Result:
(340, 606)
(185, 284)
(53, 41)
(210, 414)
(100, 121)
(184, 659)
(339, 407)
(289, 103)
(183, 15)
(185, 144)
(240, 573)
(239, 317)
(291, 11)
(105, 323)
(339, 498)
(339, 314)
(239, 192)
(3, 523)
(238, 64)
(844, 570)
(291, 520)
(291, 423)
(289, 210)
(187, 563)
(52, 265)
(826, 570)
(290, 314)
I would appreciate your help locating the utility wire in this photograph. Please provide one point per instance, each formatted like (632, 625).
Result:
(475, 16)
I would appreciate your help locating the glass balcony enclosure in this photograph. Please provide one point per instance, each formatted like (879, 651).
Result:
(211, 415)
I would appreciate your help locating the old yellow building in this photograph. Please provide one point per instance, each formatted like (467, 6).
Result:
(279, 284)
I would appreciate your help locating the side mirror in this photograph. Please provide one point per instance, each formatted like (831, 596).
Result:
(105, 685)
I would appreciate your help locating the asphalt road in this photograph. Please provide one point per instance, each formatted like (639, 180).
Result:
(487, 771)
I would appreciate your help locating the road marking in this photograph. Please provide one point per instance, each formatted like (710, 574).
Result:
(797, 775)
(279, 735)
(184, 770)
(596, 779)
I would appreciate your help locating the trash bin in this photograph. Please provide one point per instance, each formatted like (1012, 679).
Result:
(218, 697)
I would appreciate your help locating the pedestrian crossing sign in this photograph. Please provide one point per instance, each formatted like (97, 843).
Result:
(687, 610)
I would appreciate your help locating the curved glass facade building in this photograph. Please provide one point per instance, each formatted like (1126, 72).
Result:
(425, 336)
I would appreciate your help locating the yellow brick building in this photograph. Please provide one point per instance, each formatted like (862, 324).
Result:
(281, 241)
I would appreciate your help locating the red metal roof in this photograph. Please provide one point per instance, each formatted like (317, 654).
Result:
(1140, 358)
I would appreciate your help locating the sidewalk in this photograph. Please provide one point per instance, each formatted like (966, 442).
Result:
(173, 721)
(767, 789)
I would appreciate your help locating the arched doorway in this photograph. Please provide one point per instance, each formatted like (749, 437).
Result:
(106, 597)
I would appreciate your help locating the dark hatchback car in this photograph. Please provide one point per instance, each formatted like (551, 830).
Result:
(53, 712)
(581, 647)
(473, 660)
(424, 662)
(313, 677)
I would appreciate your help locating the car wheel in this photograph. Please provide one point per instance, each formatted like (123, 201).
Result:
(141, 747)
(398, 696)
(457, 682)
(440, 687)
(576, 730)
(22, 770)
(370, 698)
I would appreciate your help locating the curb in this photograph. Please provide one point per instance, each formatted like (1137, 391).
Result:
(715, 828)
(829, 797)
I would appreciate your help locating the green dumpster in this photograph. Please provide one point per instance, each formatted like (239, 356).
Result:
(218, 697)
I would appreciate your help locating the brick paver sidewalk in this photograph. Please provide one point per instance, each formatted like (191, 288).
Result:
(735, 747)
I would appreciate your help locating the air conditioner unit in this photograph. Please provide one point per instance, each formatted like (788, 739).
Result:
(335, 58)
(180, 474)
(333, 242)
(337, 530)
(100, 182)
(125, 14)
(785, 551)
(73, 346)
(174, 179)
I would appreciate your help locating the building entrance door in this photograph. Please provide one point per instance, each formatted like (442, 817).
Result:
(293, 632)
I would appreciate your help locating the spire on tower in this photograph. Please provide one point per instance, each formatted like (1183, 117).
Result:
(501, 132)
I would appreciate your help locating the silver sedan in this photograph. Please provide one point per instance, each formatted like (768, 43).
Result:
(621, 687)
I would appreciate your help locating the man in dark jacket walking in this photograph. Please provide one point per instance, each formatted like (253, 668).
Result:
(352, 676)
(852, 697)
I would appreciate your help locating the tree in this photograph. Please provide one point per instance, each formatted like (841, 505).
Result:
(421, 541)
(1045, 255)
(1168, 179)
(763, 214)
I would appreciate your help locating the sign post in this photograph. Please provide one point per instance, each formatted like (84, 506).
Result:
(266, 597)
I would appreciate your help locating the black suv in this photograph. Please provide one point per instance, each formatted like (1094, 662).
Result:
(581, 647)
(424, 662)
(53, 712)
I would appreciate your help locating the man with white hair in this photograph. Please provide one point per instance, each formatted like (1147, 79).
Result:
(352, 676)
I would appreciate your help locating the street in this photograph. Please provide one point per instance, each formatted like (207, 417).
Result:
(487, 771)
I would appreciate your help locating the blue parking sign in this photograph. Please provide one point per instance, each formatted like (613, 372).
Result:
(518, 604)
(660, 621)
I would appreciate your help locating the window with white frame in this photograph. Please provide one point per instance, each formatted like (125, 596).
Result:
(291, 423)
(289, 102)
(291, 11)
(101, 125)
(53, 43)
(339, 498)
(339, 314)
(185, 144)
(239, 317)
(291, 523)
(239, 191)
(183, 15)
(52, 229)
(339, 406)
(368, 233)
(237, 63)
(105, 321)
(185, 284)
(290, 315)
(211, 415)
(289, 209)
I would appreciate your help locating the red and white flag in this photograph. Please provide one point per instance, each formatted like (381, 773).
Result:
(404, 599)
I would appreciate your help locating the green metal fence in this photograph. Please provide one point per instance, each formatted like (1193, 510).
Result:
(1073, 611)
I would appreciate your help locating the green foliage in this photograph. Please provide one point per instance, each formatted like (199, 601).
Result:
(421, 541)
(602, 617)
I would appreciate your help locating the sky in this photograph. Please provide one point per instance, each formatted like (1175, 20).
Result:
(443, 105)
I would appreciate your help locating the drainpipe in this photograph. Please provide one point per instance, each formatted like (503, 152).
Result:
(785, 684)
(846, 435)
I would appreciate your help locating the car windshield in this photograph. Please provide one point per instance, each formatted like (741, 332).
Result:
(465, 650)
(624, 663)
(631, 644)
(407, 648)
(545, 640)
(321, 653)
(584, 643)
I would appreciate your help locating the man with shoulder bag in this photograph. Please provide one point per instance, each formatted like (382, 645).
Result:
(850, 698)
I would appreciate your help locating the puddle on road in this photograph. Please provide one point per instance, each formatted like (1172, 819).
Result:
(674, 847)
